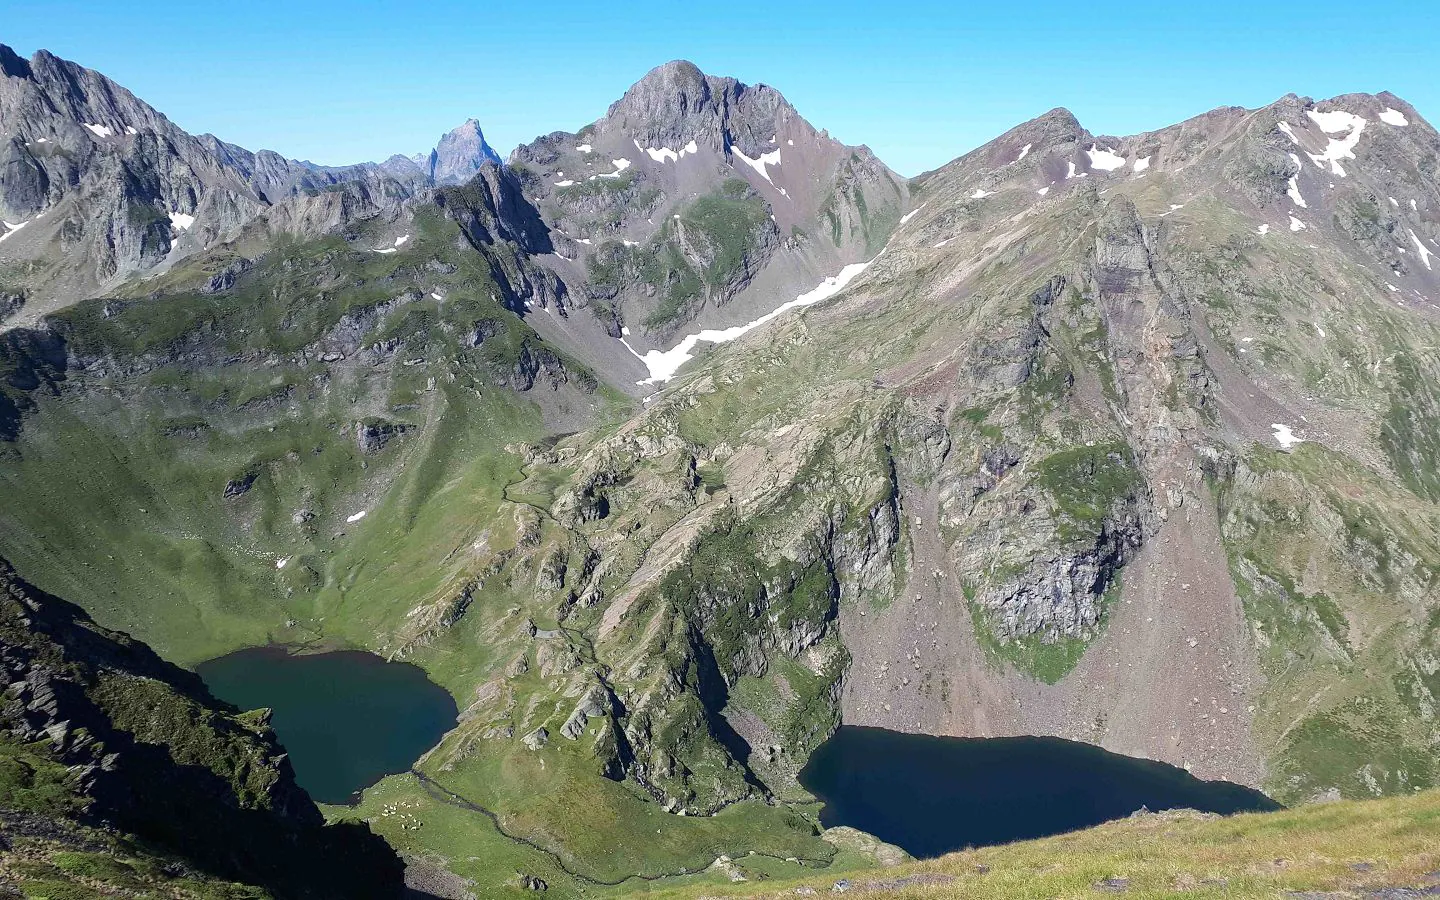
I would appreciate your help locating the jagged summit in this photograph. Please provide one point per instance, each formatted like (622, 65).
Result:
(677, 103)
(458, 155)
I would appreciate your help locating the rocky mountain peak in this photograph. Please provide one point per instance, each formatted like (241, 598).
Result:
(677, 103)
(459, 154)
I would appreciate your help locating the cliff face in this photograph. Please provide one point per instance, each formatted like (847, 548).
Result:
(150, 752)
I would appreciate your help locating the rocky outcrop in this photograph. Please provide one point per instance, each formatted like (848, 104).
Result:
(154, 754)
(373, 435)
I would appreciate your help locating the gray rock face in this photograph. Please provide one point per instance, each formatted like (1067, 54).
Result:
(701, 200)
(459, 155)
(106, 185)
(677, 103)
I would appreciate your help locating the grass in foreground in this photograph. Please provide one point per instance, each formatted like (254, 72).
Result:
(1352, 848)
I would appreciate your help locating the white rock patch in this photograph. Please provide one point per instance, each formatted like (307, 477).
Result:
(1394, 117)
(1105, 160)
(663, 364)
(760, 163)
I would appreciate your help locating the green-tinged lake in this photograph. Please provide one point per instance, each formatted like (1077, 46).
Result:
(933, 795)
(348, 718)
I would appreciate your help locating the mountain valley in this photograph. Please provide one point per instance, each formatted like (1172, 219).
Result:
(669, 444)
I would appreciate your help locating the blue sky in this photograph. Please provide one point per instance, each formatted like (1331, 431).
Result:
(921, 83)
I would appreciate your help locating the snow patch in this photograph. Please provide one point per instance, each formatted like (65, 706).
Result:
(1293, 188)
(357, 516)
(1296, 224)
(1289, 132)
(1264, 229)
(280, 563)
(911, 214)
(566, 183)
(980, 194)
(585, 148)
(760, 163)
(620, 166)
(1421, 249)
(663, 364)
(1024, 152)
(130, 129)
(665, 153)
(1105, 160)
(1394, 117)
(1142, 164)
(942, 243)
(400, 241)
(1285, 437)
(436, 297)
(181, 220)
(103, 131)
(1071, 173)
(1043, 191)
(1393, 201)
(11, 228)
(1337, 122)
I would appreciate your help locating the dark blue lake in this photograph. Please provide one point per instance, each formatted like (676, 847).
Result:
(934, 795)
(347, 718)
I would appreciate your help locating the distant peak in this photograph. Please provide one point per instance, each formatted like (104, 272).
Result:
(459, 154)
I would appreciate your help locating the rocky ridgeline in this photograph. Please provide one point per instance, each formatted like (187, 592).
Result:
(153, 754)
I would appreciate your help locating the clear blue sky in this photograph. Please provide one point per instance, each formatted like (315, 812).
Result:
(921, 83)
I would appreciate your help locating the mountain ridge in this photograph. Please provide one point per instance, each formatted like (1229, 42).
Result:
(1128, 440)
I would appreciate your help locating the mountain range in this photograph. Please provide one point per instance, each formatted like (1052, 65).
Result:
(1124, 439)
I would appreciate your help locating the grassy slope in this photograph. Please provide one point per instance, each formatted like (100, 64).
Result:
(160, 552)
(1328, 847)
